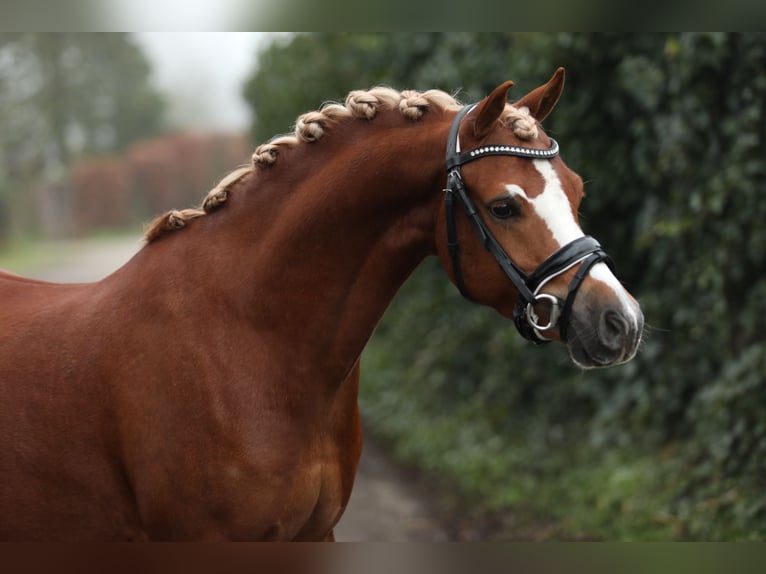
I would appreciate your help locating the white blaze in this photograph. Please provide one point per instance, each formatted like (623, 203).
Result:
(553, 207)
(600, 272)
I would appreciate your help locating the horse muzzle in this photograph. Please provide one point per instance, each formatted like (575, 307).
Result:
(604, 334)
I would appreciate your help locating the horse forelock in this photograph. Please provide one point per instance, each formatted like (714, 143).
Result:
(520, 122)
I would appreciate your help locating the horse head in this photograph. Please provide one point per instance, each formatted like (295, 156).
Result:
(532, 262)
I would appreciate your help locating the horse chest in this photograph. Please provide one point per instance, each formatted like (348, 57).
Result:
(287, 486)
(328, 479)
(305, 501)
(330, 500)
(321, 485)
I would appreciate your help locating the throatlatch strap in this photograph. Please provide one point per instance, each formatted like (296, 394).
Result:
(453, 246)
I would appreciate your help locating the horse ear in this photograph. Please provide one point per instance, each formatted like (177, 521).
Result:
(490, 109)
(543, 99)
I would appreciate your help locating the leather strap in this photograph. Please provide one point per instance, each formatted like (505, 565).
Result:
(457, 190)
(585, 251)
(565, 257)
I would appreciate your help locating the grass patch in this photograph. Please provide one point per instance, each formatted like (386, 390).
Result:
(532, 484)
(570, 493)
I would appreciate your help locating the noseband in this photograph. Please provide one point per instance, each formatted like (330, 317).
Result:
(584, 250)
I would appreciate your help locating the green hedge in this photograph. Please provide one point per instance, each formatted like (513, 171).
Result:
(667, 130)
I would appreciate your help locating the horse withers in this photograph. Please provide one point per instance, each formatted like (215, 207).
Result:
(207, 390)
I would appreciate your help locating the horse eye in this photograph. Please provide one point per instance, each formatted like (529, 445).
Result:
(503, 209)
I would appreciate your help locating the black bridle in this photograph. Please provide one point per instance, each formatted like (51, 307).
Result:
(584, 250)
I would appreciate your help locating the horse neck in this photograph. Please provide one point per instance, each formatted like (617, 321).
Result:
(319, 243)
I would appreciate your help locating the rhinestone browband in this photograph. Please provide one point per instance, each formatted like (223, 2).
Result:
(519, 151)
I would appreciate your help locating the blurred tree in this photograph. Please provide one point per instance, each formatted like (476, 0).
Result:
(89, 93)
(68, 95)
(297, 74)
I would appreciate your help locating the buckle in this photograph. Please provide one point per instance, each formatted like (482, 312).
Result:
(534, 319)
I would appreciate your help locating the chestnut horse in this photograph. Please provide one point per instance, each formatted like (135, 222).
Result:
(207, 389)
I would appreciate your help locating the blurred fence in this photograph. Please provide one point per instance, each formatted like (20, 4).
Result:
(152, 176)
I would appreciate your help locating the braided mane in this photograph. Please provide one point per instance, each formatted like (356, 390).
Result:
(311, 126)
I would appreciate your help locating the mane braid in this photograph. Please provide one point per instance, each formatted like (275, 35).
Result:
(520, 122)
(312, 126)
(173, 220)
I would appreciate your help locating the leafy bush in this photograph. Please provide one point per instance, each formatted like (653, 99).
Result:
(667, 131)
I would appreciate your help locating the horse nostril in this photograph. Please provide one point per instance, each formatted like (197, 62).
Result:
(613, 328)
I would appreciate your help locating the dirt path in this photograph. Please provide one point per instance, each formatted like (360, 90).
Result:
(384, 505)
